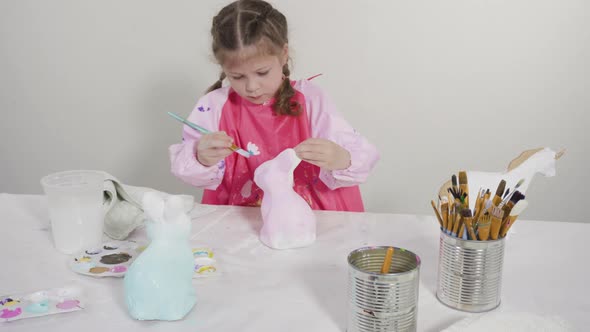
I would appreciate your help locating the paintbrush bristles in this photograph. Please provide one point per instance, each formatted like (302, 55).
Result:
(497, 214)
(491, 216)
(463, 187)
(468, 222)
(462, 177)
(483, 227)
(501, 188)
(499, 192)
(516, 196)
(466, 213)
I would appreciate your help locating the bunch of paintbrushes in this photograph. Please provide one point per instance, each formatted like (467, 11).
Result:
(492, 216)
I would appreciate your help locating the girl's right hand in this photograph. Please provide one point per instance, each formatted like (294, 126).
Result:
(213, 147)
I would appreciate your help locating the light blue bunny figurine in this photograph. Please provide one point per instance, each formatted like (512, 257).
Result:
(158, 285)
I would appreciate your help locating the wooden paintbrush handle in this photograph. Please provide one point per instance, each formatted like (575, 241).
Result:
(387, 261)
(440, 220)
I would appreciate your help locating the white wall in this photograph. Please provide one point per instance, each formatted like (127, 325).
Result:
(437, 85)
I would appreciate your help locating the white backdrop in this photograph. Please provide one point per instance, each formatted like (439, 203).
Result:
(438, 86)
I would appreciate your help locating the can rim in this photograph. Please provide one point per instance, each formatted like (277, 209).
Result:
(46, 180)
(471, 241)
(418, 261)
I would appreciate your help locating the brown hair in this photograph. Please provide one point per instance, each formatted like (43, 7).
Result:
(254, 23)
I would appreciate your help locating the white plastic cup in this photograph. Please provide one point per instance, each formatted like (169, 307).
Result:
(75, 202)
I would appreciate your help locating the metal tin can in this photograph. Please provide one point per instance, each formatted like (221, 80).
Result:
(470, 273)
(382, 302)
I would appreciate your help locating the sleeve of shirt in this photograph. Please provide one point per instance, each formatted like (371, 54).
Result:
(183, 156)
(327, 123)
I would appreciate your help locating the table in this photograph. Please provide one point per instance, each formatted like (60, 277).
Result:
(546, 272)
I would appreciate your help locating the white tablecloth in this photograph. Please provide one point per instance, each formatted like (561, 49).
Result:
(546, 272)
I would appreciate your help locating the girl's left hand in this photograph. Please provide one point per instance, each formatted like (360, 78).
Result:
(323, 153)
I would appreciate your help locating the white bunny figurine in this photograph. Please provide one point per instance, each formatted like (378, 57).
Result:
(158, 285)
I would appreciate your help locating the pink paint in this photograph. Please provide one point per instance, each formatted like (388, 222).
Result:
(7, 313)
(119, 269)
(68, 304)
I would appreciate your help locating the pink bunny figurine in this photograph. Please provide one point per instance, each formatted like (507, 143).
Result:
(289, 221)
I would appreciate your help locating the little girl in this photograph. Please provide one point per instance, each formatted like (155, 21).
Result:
(264, 112)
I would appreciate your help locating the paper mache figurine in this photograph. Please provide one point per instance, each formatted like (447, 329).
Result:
(289, 221)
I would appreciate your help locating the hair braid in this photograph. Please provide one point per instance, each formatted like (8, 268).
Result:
(217, 84)
(284, 105)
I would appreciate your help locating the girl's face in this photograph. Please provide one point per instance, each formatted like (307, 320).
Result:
(256, 77)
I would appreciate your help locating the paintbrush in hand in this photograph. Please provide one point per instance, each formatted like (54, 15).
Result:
(202, 130)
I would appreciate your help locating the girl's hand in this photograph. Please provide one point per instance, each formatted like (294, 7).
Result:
(323, 153)
(213, 147)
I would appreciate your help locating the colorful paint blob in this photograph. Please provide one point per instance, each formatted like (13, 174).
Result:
(93, 251)
(7, 313)
(119, 269)
(68, 304)
(99, 269)
(38, 308)
(9, 302)
(117, 258)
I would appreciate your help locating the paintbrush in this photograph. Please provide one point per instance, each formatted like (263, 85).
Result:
(478, 203)
(498, 197)
(461, 228)
(496, 222)
(387, 260)
(509, 221)
(463, 186)
(483, 226)
(485, 204)
(440, 219)
(468, 222)
(451, 211)
(444, 211)
(508, 197)
(451, 220)
(457, 223)
(454, 183)
(202, 130)
(510, 204)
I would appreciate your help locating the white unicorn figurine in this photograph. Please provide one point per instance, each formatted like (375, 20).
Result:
(524, 167)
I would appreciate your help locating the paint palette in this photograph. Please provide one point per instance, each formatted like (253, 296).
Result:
(112, 259)
(41, 303)
(205, 263)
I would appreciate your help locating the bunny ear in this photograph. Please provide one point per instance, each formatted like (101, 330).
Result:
(174, 207)
(153, 205)
(288, 160)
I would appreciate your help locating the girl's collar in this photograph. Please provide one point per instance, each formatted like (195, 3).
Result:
(246, 102)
